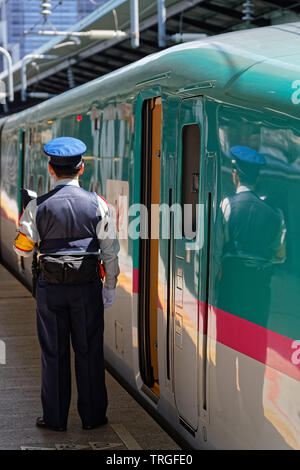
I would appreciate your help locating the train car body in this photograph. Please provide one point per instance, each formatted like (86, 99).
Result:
(216, 358)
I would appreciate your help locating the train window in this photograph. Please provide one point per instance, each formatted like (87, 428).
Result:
(190, 178)
(40, 189)
(31, 182)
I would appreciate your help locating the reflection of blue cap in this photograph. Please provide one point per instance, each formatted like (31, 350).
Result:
(247, 155)
(65, 151)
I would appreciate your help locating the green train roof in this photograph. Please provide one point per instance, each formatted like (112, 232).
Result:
(257, 66)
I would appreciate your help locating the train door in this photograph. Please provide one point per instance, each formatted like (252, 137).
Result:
(189, 348)
(149, 245)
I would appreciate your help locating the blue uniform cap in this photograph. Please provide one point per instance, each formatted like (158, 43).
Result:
(247, 155)
(65, 151)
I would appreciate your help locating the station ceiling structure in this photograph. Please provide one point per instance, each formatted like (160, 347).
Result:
(72, 62)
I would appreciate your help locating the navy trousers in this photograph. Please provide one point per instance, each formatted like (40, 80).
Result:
(65, 311)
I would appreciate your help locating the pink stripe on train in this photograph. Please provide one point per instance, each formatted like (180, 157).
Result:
(263, 345)
(250, 339)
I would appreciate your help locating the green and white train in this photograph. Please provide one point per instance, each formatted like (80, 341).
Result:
(212, 349)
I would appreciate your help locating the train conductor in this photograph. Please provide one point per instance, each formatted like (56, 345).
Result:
(74, 231)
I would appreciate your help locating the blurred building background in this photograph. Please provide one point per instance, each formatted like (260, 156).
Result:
(18, 16)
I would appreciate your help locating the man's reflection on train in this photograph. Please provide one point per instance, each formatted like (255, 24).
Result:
(250, 240)
(253, 241)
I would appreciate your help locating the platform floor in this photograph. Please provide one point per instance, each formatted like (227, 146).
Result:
(130, 426)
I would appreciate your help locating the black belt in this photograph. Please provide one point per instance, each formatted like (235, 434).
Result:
(69, 269)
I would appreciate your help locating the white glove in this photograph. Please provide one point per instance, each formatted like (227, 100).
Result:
(109, 297)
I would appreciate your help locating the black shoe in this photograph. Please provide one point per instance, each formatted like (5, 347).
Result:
(94, 426)
(41, 424)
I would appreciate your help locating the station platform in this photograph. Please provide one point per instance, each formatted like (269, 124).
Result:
(129, 426)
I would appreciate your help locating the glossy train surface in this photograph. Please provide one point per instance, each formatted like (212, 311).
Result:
(209, 344)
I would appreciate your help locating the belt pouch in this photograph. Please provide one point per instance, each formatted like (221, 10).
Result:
(69, 269)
